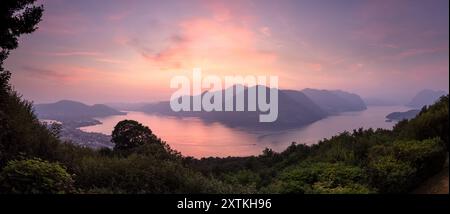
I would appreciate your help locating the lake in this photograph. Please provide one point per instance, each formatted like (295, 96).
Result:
(193, 137)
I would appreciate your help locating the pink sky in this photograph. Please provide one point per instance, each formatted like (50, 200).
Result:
(127, 51)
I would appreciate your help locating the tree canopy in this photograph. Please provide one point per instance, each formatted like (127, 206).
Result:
(128, 134)
(17, 17)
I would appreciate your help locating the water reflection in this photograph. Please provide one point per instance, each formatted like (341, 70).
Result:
(193, 137)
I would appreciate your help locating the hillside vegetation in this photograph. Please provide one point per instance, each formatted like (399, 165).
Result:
(362, 161)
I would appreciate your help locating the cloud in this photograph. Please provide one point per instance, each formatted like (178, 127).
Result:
(265, 31)
(315, 66)
(109, 61)
(64, 73)
(72, 53)
(222, 42)
(419, 51)
(46, 73)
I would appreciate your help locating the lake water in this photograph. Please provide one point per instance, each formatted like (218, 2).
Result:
(193, 137)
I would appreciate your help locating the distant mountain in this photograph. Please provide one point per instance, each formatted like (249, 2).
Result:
(294, 109)
(127, 106)
(425, 97)
(397, 116)
(336, 101)
(72, 110)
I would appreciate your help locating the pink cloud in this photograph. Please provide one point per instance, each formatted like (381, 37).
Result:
(64, 74)
(223, 41)
(265, 31)
(46, 73)
(71, 53)
(419, 51)
(109, 61)
(315, 66)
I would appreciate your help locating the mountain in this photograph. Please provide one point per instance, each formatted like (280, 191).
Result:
(397, 116)
(336, 101)
(72, 110)
(294, 109)
(425, 97)
(123, 106)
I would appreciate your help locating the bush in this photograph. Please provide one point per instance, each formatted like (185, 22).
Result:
(324, 188)
(390, 175)
(399, 166)
(142, 174)
(316, 177)
(246, 178)
(21, 134)
(35, 176)
(427, 156)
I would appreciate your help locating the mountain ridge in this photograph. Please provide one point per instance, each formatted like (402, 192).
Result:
(335, 101)
(73, 110)
(296, 109)
(425, 97)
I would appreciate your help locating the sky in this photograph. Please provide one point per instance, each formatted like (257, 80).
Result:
(128, 51)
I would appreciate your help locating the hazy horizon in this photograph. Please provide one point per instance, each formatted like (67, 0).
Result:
(388, 101)
(95, 52)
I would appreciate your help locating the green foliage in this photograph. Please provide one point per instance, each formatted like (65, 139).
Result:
(21, 134)
(390, 175)
(364, 161)
(399, 166)
(129, 134)
(35, 176)
(322, 177)
(432, 121)
(142, 174)
(351, 148)
(244, 178)
(324, 188)
(427, 156)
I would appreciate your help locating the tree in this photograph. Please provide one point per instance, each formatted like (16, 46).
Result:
(55, 128)
(17, 17)
(128, 134)
(35, 176)
(21, 134)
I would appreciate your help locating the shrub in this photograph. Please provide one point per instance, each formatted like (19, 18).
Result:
(399, 166)
(35, 176)
(305, 178)
(427, 156)
(324, 188)
(390, 175)
(142, 174)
